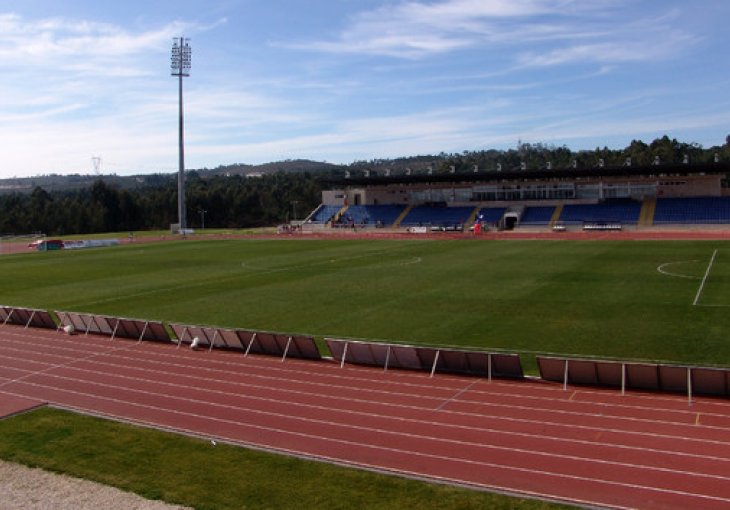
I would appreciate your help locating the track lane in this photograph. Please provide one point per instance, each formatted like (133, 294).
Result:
(396, 421)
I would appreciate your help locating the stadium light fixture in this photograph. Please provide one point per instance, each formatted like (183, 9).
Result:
(180, 63)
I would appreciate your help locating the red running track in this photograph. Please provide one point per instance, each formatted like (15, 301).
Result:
(585, 446)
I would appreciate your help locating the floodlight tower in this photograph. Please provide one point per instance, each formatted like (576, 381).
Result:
(180, 67)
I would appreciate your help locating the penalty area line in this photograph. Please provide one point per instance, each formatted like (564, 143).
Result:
(704, 279)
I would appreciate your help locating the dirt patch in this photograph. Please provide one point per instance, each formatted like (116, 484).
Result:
(26, 488)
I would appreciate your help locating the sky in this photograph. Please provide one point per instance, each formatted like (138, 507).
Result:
(350, 80)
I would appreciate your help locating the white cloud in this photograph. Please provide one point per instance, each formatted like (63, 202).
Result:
(58, 41)
(415, 29)
(71, 88)
(565, 31)
(476, 73)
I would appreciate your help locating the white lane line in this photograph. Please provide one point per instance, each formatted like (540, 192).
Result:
(416, 421)
(470, 414)
(312, 455)
(460, 393)
(59, 365)
(197, 433)
(438, 457)
(599, 412)
(704, 279)
(322, 408)
(353, 373)
(289, 372)
(263, 366)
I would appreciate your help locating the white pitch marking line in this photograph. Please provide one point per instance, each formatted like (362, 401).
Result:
(704, 279)
(677, 275)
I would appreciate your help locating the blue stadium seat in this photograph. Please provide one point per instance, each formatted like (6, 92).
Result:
(491, 215)
(619, 211)
(324, 213)
(437, 216)
(371, 215)
(540, 215)
(692, 210)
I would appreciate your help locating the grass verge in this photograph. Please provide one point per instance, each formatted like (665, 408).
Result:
(192, 472)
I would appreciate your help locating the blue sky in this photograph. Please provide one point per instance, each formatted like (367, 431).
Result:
(352, 79)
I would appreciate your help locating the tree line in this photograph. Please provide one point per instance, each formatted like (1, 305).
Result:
(222, 202)
(538, 155)
(224, 199)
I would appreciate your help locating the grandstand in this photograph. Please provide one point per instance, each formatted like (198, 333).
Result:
(602, 198)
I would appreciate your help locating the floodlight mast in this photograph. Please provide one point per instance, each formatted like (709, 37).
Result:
(180, 62)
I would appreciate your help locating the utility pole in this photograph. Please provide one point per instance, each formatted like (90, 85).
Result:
(180, 62)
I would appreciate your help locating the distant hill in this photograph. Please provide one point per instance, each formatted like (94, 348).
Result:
(55, 182)
(524, 157)
(287, 166)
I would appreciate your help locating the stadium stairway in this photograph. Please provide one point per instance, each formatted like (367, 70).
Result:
(405, 212)
(646, 217)
(472, 216)
(556, 215)
(339, 214)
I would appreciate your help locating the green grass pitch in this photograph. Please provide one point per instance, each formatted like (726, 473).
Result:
(632, 300)
(650, 300)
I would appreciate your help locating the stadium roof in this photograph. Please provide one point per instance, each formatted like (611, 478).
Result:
(541, 174)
